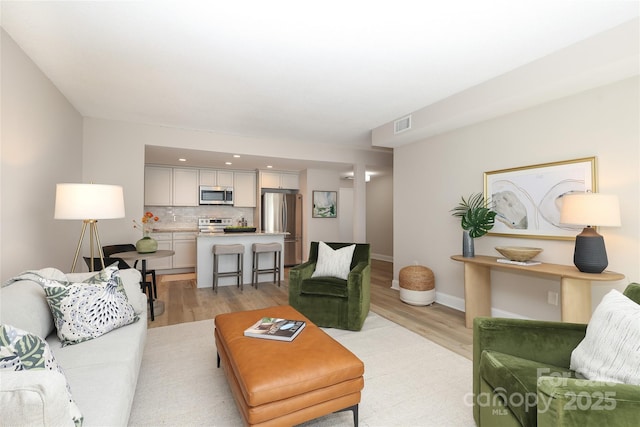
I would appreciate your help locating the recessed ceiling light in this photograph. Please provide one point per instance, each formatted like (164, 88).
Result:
(236, 155)
(269, 166)
(228, 163)
(182, 160)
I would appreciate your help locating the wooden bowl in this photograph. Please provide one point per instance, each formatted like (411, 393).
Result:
(518, 253)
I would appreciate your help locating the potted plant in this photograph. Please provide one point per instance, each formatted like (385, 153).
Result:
(476, 218)
(147, 244)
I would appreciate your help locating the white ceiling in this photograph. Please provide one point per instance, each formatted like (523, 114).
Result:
(304, 71)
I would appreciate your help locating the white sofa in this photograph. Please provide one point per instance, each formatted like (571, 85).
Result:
(102, 372)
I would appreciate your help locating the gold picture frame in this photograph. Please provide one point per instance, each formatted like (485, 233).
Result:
(527, 199)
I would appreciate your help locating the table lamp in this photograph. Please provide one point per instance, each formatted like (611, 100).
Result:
(590, 209)
(89, 203)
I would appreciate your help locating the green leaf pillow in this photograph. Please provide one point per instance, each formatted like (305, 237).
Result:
(21, 351)
(87, 310)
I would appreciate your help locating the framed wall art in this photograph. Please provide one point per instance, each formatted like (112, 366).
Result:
(325, 204)
(528, 199)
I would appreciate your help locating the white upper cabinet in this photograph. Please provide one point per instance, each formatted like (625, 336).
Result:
(158, 186)
(289, 180)
(165, 186)
(216, 178)
(185, 187)
(244, 191)
(284, 180)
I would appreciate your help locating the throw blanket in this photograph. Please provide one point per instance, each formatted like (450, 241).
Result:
(38, 276)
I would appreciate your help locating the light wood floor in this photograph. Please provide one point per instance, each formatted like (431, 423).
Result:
(184, 302)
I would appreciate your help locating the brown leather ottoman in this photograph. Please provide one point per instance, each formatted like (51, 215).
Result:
(276, 383)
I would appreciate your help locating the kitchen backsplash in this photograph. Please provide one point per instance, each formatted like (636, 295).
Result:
(187, 216)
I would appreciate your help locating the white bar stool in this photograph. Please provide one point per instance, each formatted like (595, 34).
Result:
(261, 248)
(218, 250)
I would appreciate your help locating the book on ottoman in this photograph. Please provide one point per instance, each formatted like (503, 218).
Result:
(273, 328)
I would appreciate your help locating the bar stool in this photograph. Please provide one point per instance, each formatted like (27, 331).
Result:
(261, 248)
(237, 250)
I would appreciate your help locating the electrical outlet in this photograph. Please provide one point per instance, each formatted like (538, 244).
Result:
(552, 298)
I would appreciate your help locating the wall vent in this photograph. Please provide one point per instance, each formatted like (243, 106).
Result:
(402, 124)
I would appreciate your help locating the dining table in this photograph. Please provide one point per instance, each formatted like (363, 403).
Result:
(143, 258)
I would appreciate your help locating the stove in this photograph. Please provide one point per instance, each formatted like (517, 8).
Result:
(213, 225)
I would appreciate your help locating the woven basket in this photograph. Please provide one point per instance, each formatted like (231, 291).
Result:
(417, 278)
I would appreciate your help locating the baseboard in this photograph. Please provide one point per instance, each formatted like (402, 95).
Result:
(450, 301)
(457, 303)
(381, 257)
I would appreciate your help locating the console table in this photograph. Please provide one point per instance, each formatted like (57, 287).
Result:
(575, 286)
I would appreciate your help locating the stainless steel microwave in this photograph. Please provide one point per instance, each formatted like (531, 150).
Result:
(216, 195)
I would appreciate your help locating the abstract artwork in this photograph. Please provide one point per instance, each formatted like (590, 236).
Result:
(325, 204)
(528, 199)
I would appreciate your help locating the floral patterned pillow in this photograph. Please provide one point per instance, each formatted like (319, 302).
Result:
(22, 351)
(87, 310)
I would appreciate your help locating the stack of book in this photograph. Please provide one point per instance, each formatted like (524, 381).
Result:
(275, 329)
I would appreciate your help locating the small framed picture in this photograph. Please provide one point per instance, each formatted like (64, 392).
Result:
(325, 204)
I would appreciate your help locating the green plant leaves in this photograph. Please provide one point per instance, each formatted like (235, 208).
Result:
(478, 221)
(476, 216)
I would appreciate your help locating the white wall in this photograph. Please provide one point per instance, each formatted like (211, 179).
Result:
(380, 202)
(41, 146)
(431, 175)
(325, 229)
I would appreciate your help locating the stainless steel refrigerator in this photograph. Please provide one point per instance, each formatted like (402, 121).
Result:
(282, 212)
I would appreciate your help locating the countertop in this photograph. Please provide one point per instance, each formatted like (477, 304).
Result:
(176, 230)
(255, 233)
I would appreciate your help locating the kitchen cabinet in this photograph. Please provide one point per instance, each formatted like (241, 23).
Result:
(185, 187)
(216, 178)
(164, 186)
(158, 186)
(284, 180)
(244, 191)
(182, 243)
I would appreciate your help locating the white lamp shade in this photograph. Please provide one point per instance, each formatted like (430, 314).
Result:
(89, 201)
(590, 209)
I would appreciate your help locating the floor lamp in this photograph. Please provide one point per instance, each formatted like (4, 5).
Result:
(590, 209)
(89, 203)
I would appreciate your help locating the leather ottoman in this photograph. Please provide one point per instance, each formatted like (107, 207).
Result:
(276, 383)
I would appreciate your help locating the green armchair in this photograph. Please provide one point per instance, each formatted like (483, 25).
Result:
(330, 301)
(521, 377)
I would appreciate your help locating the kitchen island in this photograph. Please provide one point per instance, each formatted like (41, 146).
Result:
(204, 266)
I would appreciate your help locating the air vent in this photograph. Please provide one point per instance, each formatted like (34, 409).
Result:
(402, 124)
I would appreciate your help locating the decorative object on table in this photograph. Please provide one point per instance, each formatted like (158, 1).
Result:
(275, 329)
(239, 229)
(476, 218)
(325, 204)
(147, 244)
(417, 285)
(89, 203)
(527, 199)
(590, 209)
(518, 253)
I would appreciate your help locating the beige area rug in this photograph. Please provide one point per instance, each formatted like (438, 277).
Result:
(409, 380)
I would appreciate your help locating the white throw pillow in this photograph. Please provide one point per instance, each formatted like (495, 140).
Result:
(87, 310)
(25, 395)
(610, 350)
(130, 278)
(333, 263)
